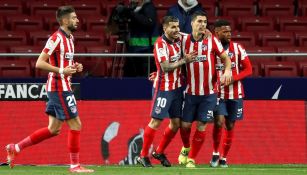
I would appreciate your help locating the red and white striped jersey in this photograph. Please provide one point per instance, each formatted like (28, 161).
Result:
(201, 74)
(240, 66)
(60, 48)
(166, 50)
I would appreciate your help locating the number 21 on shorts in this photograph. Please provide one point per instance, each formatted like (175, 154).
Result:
(71, 100)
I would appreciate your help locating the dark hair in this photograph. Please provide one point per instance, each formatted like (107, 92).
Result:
(168, 19)
(62, 11)
(198, 13)
(221, 22)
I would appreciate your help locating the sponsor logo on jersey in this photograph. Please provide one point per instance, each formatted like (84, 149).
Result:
(200, 58)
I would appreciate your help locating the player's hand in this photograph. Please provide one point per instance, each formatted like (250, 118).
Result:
(78, 66)
(190, 57)
(226, 78)
(152, 76)
(69, 70)
(206, 33)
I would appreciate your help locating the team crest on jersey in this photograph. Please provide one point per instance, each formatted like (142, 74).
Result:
(69, 55)
(204, 47)
(230, 54)
(73, 109)
(158, 110)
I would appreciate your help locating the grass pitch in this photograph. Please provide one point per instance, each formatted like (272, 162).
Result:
(292, 169)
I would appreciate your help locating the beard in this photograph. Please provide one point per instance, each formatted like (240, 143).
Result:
(72, 28)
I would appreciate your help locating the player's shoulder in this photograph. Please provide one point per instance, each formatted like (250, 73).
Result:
(159, 41)
(54, 36)
(239, 45)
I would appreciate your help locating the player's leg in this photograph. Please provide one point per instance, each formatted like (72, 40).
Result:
(189, 111)
(162, 101)
(34, 138)
(197, 142)
(74, 145)
(216, 136)
(204, 114)
(39, 135)
(149, 134)
(235, 112)
(170, 131)
(219, 120)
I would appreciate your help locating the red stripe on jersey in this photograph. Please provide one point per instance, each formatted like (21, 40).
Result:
(171, 52)
(238, 56)
(66, 63)
(202, 71)
(60, 53)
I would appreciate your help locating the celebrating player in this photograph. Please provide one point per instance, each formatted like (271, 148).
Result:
(168, 94)
(202, 86)
(230, 104)
(62, 104)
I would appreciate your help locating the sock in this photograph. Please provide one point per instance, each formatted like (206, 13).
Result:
(36, 137)
(197, 142)
(148, 137)
(227, 142)
(167, 138)
(185, 136)
(216, 135)
(74, 146)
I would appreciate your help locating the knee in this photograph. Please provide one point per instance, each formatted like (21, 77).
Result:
(55, 131)
(186, 125)
(230, 125)
(175, 125)
(76, 127)
(154, 123)
(201, 126)
(218, 124)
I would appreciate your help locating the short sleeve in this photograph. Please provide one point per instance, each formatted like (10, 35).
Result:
(51, 44)
(161, 51)
(217, 46)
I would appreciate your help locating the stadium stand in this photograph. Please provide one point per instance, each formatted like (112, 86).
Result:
(26, 25)
(280, 69)
(16, 69)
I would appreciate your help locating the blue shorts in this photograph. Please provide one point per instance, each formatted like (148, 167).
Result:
(231, 109)
(62, 105)
(199, 108)
(167, 104)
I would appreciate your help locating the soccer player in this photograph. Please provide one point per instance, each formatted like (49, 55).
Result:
(230, 104)
(61, 106)
(167, 92)
(202, 86)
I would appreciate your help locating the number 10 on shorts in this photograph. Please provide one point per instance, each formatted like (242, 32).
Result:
(161, 102)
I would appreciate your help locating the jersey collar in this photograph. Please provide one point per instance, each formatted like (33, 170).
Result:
(64, 33)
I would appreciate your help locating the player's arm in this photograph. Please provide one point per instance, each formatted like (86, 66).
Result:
(246, 65)
(217, 46)
(42, 63)
(187, 58)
